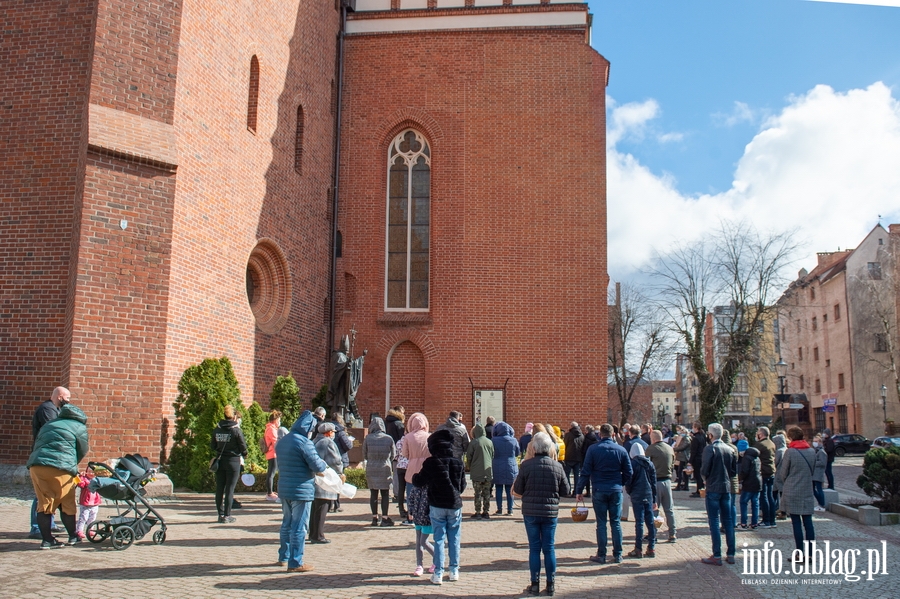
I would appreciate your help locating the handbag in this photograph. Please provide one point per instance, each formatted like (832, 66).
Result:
(579, 514)
(214, 463)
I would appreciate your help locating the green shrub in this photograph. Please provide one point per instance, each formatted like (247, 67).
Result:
(356, 477)
(253, 425)
(285, 398)
(881, 477)
(203, 392)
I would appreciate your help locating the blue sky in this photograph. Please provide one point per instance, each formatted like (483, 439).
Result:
(808, 85)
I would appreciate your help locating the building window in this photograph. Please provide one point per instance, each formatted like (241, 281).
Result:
(824, 318)
(800, 354)
(827, 363)
(840, 380)
(757, 404)
(764, 385)
(798, 325)
(802, 385)
(815, 323)
(818, 386)
(842, 419)
(298, 142)
(819, 415)
(875, 270)
(837, 311)
(812, 293)
(408, 222)
(816, 354)
(881, 342)
(253, 94)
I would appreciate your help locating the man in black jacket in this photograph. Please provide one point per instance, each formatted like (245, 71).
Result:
(574, 441)
(698, 444)
(590, 437)
(444, 477)
(46, 412)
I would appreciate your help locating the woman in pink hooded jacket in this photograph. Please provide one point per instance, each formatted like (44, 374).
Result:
(415, 449)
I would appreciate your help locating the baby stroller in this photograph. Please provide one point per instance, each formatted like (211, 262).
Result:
(129, 476)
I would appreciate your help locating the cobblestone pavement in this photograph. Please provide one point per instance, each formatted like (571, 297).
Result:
(203, 559)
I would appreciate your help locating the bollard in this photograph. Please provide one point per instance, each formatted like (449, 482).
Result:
(831, 496)
(869, 515)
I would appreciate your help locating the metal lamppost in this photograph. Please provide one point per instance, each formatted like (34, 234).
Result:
(781, 371)
(884, 405)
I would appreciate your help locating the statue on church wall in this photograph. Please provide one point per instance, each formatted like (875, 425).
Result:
(346, 376)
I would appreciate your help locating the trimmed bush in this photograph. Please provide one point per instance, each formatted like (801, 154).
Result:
(356, 477)
(881, 477)
(253, 425)
(285, 398)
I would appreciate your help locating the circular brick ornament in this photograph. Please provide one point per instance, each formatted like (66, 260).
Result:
(269, 286)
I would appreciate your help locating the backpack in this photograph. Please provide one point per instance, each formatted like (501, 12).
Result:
(263, 446)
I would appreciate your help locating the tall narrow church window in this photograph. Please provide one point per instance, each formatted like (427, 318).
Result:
(253, 94)
(408, 222)
(298, 142)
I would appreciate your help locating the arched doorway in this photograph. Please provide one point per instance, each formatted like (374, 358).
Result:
(406, 378)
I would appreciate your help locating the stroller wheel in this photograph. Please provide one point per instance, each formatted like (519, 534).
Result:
(97, 532)
(123, 537)
(159, 537)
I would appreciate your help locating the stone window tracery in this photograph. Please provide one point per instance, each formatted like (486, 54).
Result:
(408, 223)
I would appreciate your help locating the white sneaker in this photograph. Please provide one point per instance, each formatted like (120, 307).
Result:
(437, 578)
(819, 509)
(454, 576)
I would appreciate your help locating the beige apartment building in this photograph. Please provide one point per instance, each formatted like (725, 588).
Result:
(838, 330)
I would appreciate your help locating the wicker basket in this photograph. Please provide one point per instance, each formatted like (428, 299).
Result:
(579, 514)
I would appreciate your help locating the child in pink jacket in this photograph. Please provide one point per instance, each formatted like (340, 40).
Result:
(90, 504)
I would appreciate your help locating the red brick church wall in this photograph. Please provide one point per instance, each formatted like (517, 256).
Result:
(516, 124)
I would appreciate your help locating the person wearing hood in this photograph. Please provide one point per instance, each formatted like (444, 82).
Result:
(298, 464)
(460, 435)
(415, 450)
(378, 452)
(540, 484)
(796, 475)
(642, 491)
(479, 457)
(573, 440)
(525, 439)
(228, 443)
(505, 467)
(443, 476)
(53, 465)
(751, 484)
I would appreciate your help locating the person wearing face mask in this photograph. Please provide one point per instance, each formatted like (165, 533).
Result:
(819, 473)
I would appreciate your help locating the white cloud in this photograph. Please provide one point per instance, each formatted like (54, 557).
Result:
(669, 137)
(740, 113)
(827, 165)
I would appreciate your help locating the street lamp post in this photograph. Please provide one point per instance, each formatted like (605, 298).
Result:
(884, 406)
(781, 371)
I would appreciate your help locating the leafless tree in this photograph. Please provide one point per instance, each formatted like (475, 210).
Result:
(637, 340)
(739, 270)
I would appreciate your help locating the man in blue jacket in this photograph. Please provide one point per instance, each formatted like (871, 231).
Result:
(608, 467)
(298, 463)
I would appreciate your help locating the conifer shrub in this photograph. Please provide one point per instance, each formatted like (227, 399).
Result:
(881, 477)
(285, 398)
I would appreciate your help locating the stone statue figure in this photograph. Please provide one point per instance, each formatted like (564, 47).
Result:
(346, 376)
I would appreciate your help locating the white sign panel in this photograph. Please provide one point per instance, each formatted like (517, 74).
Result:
(488, 402)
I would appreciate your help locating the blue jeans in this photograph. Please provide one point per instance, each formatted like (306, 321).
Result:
(573, 469)
(807, 523)
(541, 533)
(608, 506)
(643, 514)
(294, 526)
(753, 500)
(446, 523)
(720, 504)
(509, 499)
(34, 524)
(819, 493)
(766, 501)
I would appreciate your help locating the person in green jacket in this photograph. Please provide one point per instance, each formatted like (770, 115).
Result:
(53, 464)
(479, 456)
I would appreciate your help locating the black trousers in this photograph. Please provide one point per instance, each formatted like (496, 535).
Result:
(270, 477)
(320, 509)
(226, 479)
(401, 493)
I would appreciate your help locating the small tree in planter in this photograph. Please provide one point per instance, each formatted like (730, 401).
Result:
(881, 477)
(253, 425)
(285, 398)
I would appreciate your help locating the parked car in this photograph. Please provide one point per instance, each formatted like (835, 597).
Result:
(886, 442)
(844, 444)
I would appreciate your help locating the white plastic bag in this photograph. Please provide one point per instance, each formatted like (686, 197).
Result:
(348, 491)
(331, 482)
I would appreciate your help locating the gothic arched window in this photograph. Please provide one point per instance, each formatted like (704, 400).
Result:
(408, 222)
